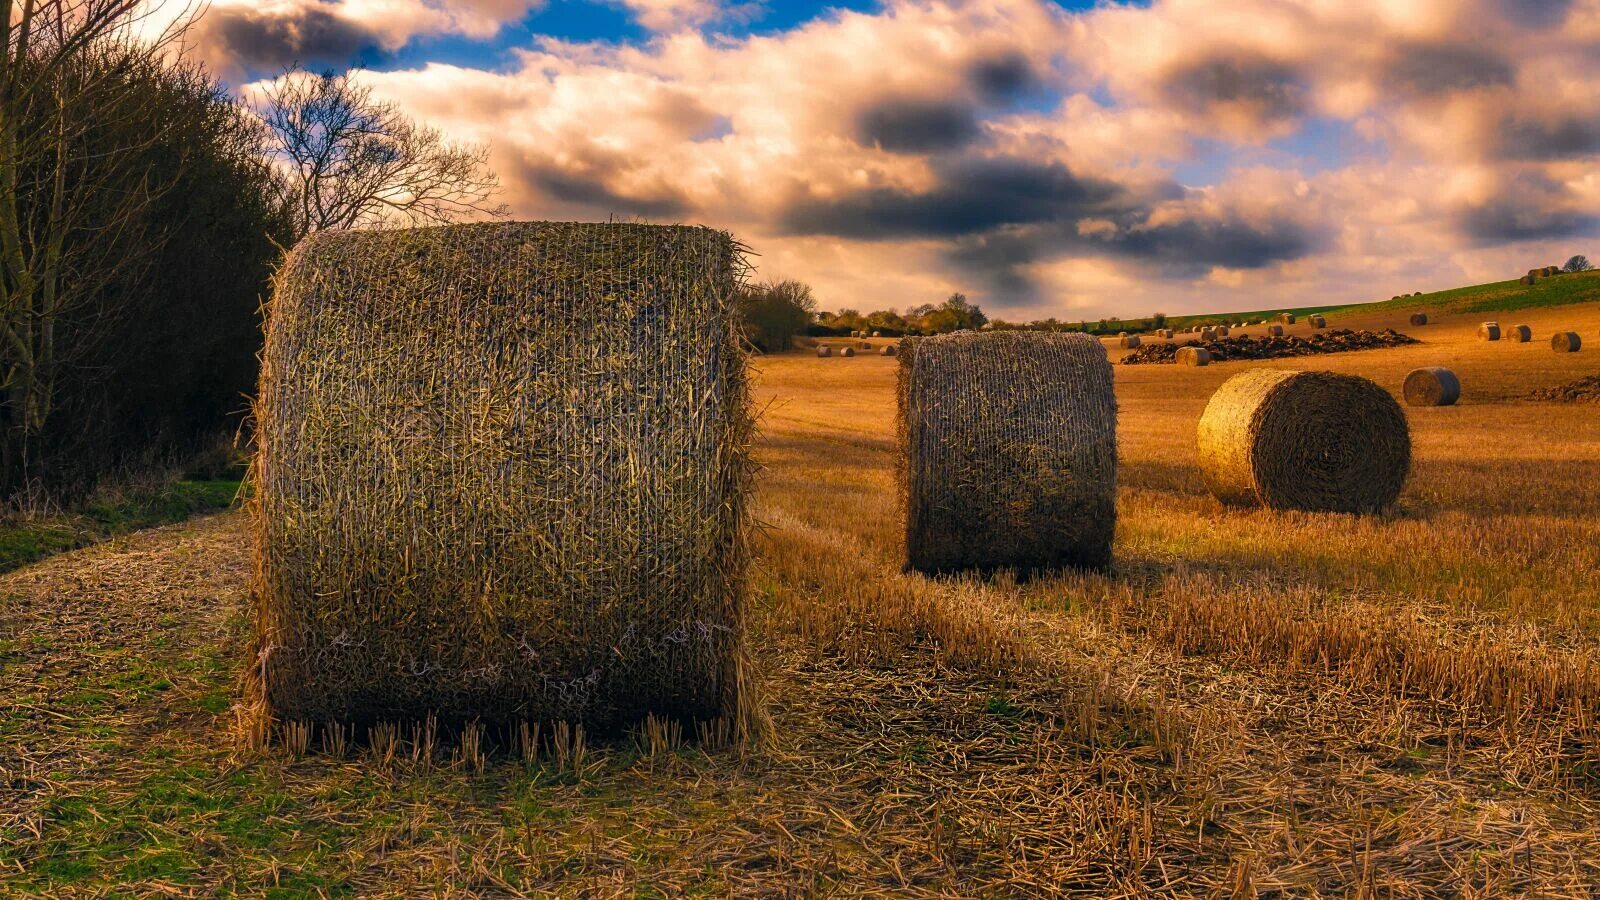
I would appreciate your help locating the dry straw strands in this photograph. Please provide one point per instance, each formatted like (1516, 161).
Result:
(1489, 331)
(1419, 318)
(1008, 452)
(824, 351)
(502, 476)
(1315, 441)
(1193, 356)
(1518, 334)
(1432, 386)
(1566, 342)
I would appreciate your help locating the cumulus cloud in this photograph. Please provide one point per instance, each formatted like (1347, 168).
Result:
(1047, 162)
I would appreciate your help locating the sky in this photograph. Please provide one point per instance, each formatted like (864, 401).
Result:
(1046, 158)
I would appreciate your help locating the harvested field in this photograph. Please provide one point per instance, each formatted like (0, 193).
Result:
(1275, 347)
(1251, 703)
(1584, 390)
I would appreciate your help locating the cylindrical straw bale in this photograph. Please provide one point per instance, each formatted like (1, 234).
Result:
(847, 351)
(888, 350)
(1208, 334)
(1129, 341)
(1566, 342)
(1489, 331)
(1432, 386)
(502, 474)
(1286, 318)
(824, 351)
(1518, 334)
(1419, 318)
(1317, 321)
(1275, 330)
(1223, 331)
(1194, 356)
(1316, 441)
(1008, 452)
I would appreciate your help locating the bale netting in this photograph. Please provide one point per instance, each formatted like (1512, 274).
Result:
(1419, 318)
(1315, 441)
(1489, 331)
(1193, 356)
(1432, 386)
(502, 476)
(1008, 452)
(848, 351)
(1566, 342)
(1518, 334)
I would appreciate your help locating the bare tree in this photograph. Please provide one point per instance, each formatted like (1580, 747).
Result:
(350, 160)
(70, 205)
(1579, 263)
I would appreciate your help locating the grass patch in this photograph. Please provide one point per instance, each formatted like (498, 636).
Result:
(24, 542)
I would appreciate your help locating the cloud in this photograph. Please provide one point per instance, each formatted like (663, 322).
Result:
(1251, 92)
(315, 35)
(918, 125)
(1525, 208)
(673, 15)
(1433, 68)
(1002, 77)
(1562, 135)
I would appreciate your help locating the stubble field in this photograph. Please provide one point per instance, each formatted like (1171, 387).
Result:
(1251, 703)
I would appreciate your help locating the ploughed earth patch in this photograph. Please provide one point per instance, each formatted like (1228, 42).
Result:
(1584, 390)
(1339, 340)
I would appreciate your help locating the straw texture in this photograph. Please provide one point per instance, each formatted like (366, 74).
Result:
(1128, 341)
(1518, 334)
(1317, 322)
(502, 476)
(848, 351)
(1008, 452)
(1432, 386)
(1286, 318)
(1489, 331)
(1193, 356)
(1566, 342)
(1315, 441)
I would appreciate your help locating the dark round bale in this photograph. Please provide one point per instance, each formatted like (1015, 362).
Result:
(1008, 452)
(1223, 331)
(1275, 330)
(1315, 441)
(1432, 386)
(1489, 331)
(1286, 318)
(1129, 341)
(888, 350)
(1317, 321)
(1208, 334)
(1518, 334)
(1419, 318)
(847, 351)
(1566, 342)
(1550, 271)
(1193, 356)
(1529, 278)
(502, 476)
(824, 351)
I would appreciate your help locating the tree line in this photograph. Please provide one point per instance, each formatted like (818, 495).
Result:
(143, 211)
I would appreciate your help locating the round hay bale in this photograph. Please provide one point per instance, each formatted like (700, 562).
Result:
(1008, 452)
(1518, 334)
(1208, 334)
(888, 350)
(1275, 330)
(824, 351)
(1529, 278)
(1318, 322)
(473, 498)
(1129, 341)
(1223, 331)
(1315, 441)
(848, 351)
(1419, 318)
(1122, 334)
(1566, 342)
(1286, 318)
(1194, 356)
(877, 334)
(1489, 331)
(1552, 271)
(1432, 386)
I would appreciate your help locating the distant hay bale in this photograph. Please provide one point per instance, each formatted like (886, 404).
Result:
(1223, 331)
(1129, 341)
(1518, 334)
(888, 350)
(1122, 334)
(824, 351)
(1529, 278)
(1551, 271)
(1008, 452)
(847, 351)
(502, 476)
(1208, 334)
(1489, 331)
(1194, 356)
(1419, 318)
(1566, 342)
(1317, 322)
(1275, 330)
(1286, 318)
(877, 334)
(1432, 386)
(1167, 333)
(1315, 441)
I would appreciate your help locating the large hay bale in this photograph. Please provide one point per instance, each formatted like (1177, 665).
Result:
(1419, 318)
(1489, 331)
(1518, 334)
(1008, 452)
(847, 351)
(1129, 341)
(1566, 342)
(824, 351)
(1275, 330)
(1432, 386)
(1316, 441)
(502, 475)
(1193, 356)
